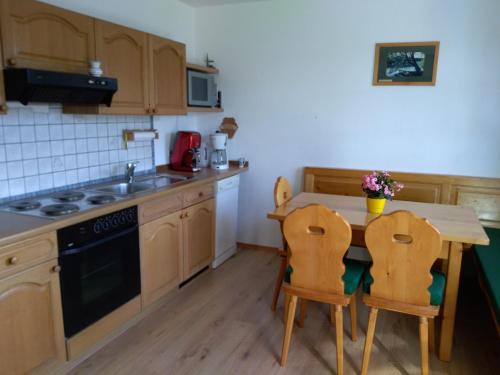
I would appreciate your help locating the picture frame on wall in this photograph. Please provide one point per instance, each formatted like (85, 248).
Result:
(406, 64)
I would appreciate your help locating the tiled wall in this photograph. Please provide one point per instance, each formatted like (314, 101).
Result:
(43, 149)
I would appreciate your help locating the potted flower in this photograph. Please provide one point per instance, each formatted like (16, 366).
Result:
(378, 187)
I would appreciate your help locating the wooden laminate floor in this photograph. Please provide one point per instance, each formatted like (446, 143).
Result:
(221, 323)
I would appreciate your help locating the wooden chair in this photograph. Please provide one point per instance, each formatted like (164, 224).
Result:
(318, 239)
(282, 193)
(403, 248)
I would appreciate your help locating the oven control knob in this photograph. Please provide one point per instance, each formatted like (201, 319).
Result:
(97, 227)
(123, 218)
(105, 224)
(115, 221)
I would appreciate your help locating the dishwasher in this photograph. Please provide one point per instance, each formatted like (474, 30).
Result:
(226, 218)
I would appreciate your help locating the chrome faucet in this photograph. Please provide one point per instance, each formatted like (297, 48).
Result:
(130, 171)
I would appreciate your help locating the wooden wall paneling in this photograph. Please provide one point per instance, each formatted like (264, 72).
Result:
(167, 70)
(124, 55)
(41, 36)
(482, 194)
(485, 201)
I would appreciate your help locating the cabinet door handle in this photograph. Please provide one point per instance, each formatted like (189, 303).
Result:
(56, 269)
(146, 110)
(12, 61)
(200, 194)
(13, 260)
(3, 108)
(154, 110)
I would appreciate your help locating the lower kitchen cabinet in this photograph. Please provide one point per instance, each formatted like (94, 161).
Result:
(174, 247)
(198, 235)
(31, 325)
(161, 256)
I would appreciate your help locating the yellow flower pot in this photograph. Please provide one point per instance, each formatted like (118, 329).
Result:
(375, 205)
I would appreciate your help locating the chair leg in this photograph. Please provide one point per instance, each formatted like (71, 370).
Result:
(424, 345)
(339, 329)
(303, 312)
(332, 315)
(354, 318)
(279, 282)
(370, 332)
(288, 329)
(285, 307)
(432, 335)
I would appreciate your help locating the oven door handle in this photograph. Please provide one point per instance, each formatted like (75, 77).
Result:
(81, 249)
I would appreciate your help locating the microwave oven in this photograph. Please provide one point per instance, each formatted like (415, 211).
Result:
(201, 89)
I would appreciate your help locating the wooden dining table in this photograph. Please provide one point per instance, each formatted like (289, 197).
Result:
(459, 227)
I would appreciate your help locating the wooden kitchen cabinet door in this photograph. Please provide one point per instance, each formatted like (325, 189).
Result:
(41, 36)
(161, 257)
(124, 56)
(167, 67)
(3, 104)
(198, 235)
(31, 324)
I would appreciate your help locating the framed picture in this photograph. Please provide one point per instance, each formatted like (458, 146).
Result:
(410, 64)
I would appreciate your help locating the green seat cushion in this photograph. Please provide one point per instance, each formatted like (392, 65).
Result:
(436, 289)
(489, 260)
(352, 276)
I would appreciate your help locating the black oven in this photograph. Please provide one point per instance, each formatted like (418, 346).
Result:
(100, 267)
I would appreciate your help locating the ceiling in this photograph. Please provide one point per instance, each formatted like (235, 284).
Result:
(205, 3)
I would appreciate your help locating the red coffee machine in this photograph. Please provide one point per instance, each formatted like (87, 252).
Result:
(185, 156)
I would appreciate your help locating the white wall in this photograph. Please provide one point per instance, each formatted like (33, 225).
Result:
(168, 18)
(297, 76)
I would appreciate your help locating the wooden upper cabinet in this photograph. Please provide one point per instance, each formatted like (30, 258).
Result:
(124, 56)
(167, 70)
(31, 324)
(3, 105)
(41, 36)
(198, 237)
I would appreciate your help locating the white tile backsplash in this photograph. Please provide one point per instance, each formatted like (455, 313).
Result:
(3, 172)
(32, 184)
(16, 186)
(26, 116)
(45, 150)
(14, 152)
(14, 169)
(30, 167)
(28, 133)
(12, 134)
(46, 181)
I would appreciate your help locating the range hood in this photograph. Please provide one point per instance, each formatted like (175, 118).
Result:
(32, 85)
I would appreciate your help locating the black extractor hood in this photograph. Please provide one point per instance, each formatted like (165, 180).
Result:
(32, 85)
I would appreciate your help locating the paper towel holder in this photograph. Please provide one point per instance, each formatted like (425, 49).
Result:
(139, 135)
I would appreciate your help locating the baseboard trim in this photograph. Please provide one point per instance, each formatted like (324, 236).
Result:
(250, 246)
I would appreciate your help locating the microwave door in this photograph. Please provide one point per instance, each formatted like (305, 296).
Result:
(199, 90)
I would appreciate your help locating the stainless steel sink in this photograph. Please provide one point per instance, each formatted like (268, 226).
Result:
(125, 188)
(163, 181)
(142, 184)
